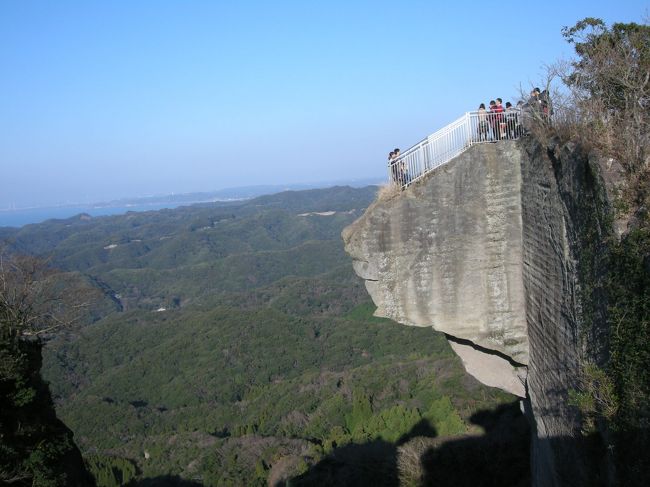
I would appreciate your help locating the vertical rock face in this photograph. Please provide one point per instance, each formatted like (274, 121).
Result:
(484, 249)
(550, 282)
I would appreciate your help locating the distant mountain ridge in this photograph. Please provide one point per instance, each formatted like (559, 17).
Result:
(238, 192)
(16, 217)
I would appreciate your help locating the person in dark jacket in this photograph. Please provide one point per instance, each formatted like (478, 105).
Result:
(545, 104)
(512, 121)
(393, 167)
(482, 123)
(534, 103)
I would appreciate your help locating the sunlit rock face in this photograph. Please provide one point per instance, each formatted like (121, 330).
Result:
(447, 253)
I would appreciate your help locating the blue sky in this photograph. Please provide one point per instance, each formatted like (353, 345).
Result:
(101, 100)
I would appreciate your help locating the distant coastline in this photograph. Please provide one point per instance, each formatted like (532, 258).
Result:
(21, 217)
(18, 217)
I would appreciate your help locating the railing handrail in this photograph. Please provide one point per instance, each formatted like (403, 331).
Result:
(453, 139)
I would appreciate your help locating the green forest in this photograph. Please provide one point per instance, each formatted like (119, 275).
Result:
(232, 343)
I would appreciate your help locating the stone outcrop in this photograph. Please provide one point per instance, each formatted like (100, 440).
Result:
(37, 448)
(447, 253)
(485, 249)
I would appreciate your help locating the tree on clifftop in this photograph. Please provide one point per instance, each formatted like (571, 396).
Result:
(613, 64)
(609, 85)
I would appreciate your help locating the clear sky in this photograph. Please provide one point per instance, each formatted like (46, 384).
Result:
(107, 99)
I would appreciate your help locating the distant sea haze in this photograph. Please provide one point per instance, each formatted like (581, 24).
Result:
(25, 216)
(18, 218)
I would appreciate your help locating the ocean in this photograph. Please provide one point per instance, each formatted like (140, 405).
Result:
(18, 218)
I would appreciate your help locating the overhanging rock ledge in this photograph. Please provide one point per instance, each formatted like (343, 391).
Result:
(448, 253)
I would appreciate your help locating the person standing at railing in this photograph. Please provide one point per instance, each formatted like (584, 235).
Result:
(495, 120)
(492, 120)
(532, 111)
(401, 168)
(511, 121)
(501, 120)
(397, 168)
(392, 167)
(482, 123)
(520, 110)
(534, 102)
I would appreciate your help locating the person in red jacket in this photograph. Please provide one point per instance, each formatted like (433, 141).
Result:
(500, 119)
(494, 120)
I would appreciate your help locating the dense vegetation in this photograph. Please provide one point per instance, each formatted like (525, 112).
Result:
(235, 344)
(629, 318)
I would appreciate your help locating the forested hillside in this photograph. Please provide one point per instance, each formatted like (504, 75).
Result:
(235, 346)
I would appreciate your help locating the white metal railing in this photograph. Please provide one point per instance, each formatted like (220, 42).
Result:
(450, 141)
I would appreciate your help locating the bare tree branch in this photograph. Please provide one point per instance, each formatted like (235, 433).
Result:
(36, 300)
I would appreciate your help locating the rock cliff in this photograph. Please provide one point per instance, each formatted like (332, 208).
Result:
(486, 250)
(37, 448)
(447, 253)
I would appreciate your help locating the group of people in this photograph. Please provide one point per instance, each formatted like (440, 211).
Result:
(398, 170)
(510, 122)
(496, 123)
(499, 123)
